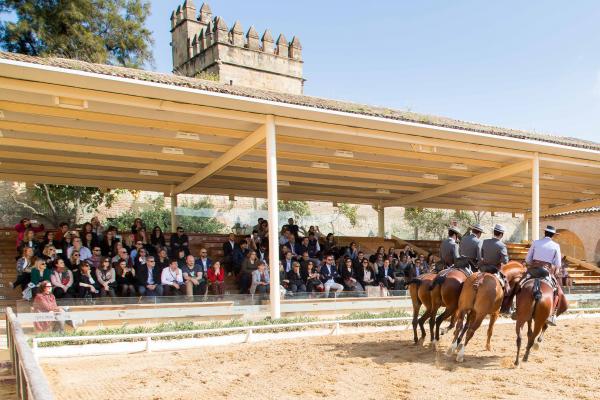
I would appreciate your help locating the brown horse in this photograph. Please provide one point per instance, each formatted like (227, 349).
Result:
(445, 291)
(534, 306)
(421, 295)
(477, 302)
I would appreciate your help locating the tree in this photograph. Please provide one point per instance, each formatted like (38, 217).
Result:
(99, 31)
(433, 223)
(155, 214)
(53, 204)
(350, 212)
(299, 208)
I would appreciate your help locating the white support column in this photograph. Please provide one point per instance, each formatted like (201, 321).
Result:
(526, 228)
(174, 221)
(535, 198)
(273, 216)
(380, 221)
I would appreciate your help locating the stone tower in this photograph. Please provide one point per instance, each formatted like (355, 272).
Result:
(203, 44)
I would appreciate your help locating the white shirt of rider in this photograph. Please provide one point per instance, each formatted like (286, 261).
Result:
(545, 250)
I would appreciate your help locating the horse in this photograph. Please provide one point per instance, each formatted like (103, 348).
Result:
(478, 301)
(445, 291)
(535, 303)
(421, 295)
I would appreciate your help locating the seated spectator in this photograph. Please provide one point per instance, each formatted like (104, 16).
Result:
(84, 252)
(172, 279)
(424, 265)
(74, 261)
(330, 246)
(137, 225)
(181, 258)
(109, 243)
(283, 280)
(137, 246)
(216, 279)
(287, 262)
(314, 248)
(229, 248)
(49, 254)
(313, 281)
(126, 278)
(96, 259)
(97, 228)
(88, 237)
(62, 280)
(408, 252)
(24, 265)
(284, 235)
(253, 240)
(203, 261)
(122, 254)
(157, 239)
(295, 281)
(262, 253)
(49, 241)
(249, 265)
(379, 254)
(149, 278)
(179, 241)
(85, 283)
(260, 280)
(29, 240)
(392, 252)
(416, 270)
(350, 278)
(263, 231)
(357, 264)
(107, 278)
(63, 228)
(367, 276)
(329, 275)
(404, 268)
(352, 251)
(293, 228)
(26, 224)
(387, 277)
(239, 254)
(378, 263)
(40, 272)
(162, 261)
(140, 258)
(142, 236)
(193, 277)
(294, 246)
(45, 302)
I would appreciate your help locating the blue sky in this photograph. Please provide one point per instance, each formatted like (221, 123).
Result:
(532, 65)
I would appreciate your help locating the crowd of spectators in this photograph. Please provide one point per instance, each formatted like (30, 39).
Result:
(97, 261)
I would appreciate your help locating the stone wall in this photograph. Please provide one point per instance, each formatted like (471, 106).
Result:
(578, 230)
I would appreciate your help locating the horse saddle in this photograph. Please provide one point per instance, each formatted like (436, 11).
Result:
(498, 275)
(464, 265)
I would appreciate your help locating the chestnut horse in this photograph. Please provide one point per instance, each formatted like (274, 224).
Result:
(477, 302)
(445, 291)
(534, 306)
(421, 295)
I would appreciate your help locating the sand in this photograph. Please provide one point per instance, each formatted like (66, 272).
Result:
(365, 366)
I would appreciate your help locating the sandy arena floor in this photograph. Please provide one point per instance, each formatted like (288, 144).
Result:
(366, 366)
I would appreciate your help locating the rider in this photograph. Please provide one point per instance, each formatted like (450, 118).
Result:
(449, 251)
(470, 245)
(545, 253)
(494, 255)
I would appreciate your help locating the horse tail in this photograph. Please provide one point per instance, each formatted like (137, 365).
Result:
(439, 280)
(415, 281)
(537, 296)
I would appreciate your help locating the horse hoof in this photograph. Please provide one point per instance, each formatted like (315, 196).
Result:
(536, 346)
(460, 357)
(451, 349)
(488, 348)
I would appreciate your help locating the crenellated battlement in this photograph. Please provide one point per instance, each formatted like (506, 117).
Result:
(202, 43)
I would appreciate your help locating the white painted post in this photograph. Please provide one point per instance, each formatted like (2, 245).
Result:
(535, 198)
(380, 221)
(526, 228)
(174, 222)
(273, 216)
(148, 344)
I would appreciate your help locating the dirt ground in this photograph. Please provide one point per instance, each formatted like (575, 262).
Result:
(364, 366)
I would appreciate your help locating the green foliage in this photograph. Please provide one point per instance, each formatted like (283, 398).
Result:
(100, 31)
(53, 204)
(155, 214)
(207, 76)
(350, 212)
(433, 223)
(299, 208)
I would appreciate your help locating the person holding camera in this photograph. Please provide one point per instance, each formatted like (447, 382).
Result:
(126, 278)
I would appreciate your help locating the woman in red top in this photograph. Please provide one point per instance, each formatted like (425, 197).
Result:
(45, 302)
(216, 276)
(23, 225)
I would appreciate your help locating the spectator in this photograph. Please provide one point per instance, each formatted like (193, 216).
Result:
(358, 262)
(379, 254)
(45, 302)
(181, 258)
(387, 278)
(229, 248)
(97, 228)
(74, 262)
(313, 281)
(29, 240)
(62, 280)
(126, 278)
(350, 278)
(239, 254)
(404, 266)
(85, 283)
(263, 231)
(283, 280)
(204, 262)
(329, 275)
(162, 261)
(431, 262)
(293, 228)
(149, 278)
(257, 226)
(140, 259)
(49, 241)
(260, 280)
(172, 279)
(408, 252)
(249, 265)
(137, 225)
(24, 265)
(84, 252)
(295, 281)
(314, 249)
(179, 241)
(107, 278)
(216, 277)
(262, 253)
(40, 272)
(63, 228)
(416, 270)
(392, 252)
(193, 277)
(352, 251)
(287, 262)
(122, 254)
(109, 243)
(367, 275)
(25, 224)
(142, 236)
(137, 246)
(49, 254)
(314, 230)
(96, 259)
(157, 239)
(88, 241)
(424, 265)
(330, 246)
